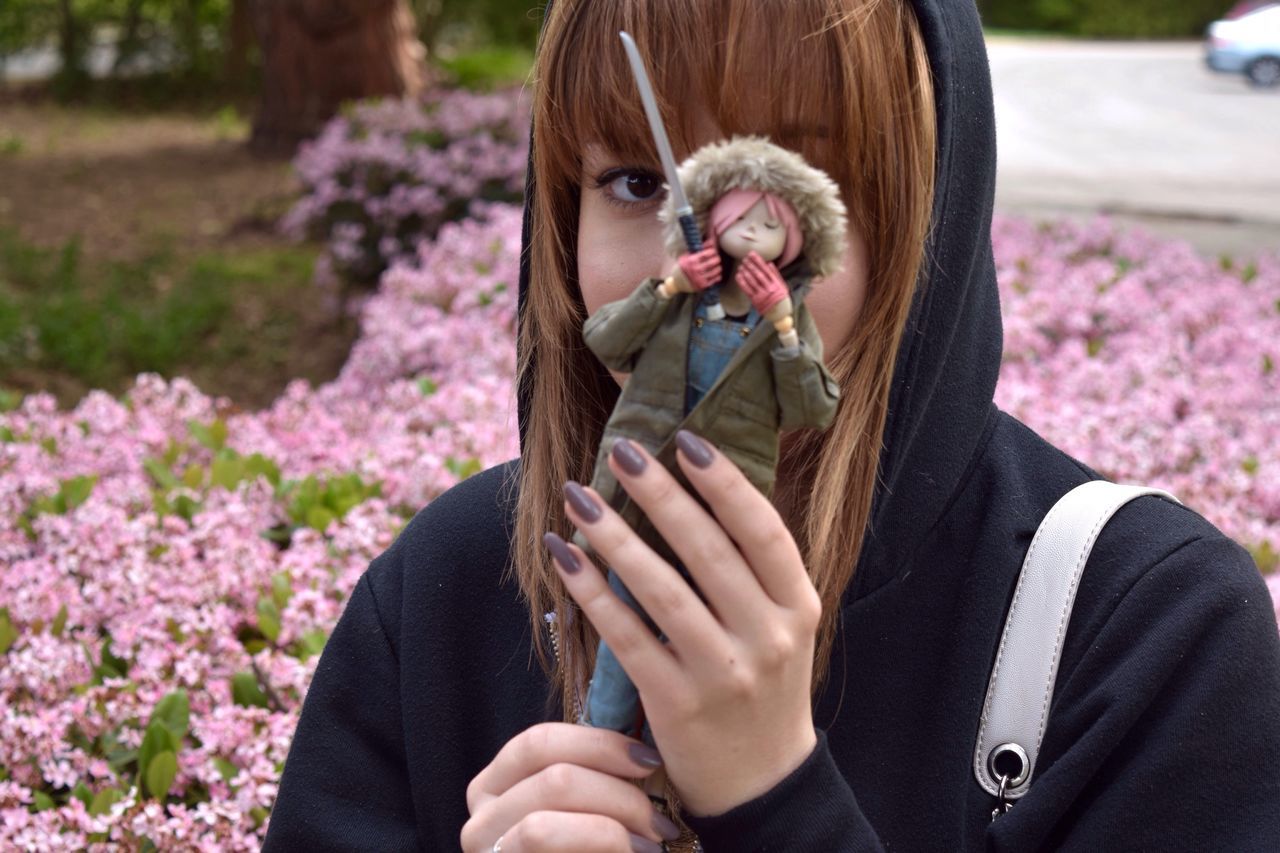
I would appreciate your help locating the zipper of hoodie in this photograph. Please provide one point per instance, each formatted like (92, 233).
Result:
(554, 624)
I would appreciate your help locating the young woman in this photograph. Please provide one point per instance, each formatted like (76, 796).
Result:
(826, 694)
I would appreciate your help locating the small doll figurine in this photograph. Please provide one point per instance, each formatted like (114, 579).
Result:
(774, 224)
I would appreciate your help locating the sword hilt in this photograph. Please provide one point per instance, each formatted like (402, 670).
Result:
(693, 240)
(692, 236)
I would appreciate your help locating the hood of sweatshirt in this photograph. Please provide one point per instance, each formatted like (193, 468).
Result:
(941, 405)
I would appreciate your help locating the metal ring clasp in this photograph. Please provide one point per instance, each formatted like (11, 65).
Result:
(1007, 781)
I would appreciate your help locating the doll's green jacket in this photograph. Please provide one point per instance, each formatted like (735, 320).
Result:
(763, 389)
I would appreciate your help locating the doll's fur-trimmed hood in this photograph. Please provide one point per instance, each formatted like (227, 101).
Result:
(753, 162)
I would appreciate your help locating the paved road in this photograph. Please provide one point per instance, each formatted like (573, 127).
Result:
(1142, 131)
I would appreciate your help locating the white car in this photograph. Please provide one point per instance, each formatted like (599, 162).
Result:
(1248, 44)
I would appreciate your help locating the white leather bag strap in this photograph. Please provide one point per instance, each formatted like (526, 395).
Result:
(1021, 686)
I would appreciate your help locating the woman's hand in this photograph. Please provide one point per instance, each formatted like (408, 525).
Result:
(727, 696)
(557, 786)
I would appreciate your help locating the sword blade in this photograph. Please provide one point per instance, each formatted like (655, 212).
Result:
(655, 125)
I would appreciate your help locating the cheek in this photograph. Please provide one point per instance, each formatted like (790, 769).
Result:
(836, 301)
(616, 252)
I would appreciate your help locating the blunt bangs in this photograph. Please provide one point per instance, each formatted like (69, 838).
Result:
(776, 75)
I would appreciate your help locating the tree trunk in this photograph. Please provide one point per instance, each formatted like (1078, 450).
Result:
(239, 43)
(71, 47)
(129, 45)
(316, 54)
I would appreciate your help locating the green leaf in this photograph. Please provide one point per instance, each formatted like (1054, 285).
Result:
(50, 445)
(246, 692)
(174, 713)
(227, 471)
(172, 452)
(1268, 364)
(1266, 557)
(193, 477)
(268, 618)
(187, 506)
(8, 634)
(1250, 465)
(76, 491)
(118, 759)
(111, 666)
(281, 589)
(319, 518)
(82, 793)
(309, 644)
(212, 436)
(44, 802)
(463, 470)
(59, 622)
(427, 386)
(258, 465)
(160, 774)
(159, 472)
(226, 769)
(104, 800)
(156, 740)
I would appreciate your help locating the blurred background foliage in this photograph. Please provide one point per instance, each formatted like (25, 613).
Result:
(127, 188)
(1105, 18)
(211, 43)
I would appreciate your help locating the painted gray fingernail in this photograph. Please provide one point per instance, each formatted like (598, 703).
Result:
(560, 552)
(664, 826)
(645, 755)
(640, 844)
(628, 457)
(582, 503)
(698, 451)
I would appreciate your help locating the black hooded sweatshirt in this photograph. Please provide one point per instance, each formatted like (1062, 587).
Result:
(1164, 731)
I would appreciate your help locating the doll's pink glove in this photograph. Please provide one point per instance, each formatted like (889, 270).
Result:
(701, 268)
(762, 282)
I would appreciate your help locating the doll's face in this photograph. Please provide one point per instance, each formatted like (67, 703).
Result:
(757, 231)
(620, 242)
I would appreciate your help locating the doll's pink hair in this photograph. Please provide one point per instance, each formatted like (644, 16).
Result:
(731, 206)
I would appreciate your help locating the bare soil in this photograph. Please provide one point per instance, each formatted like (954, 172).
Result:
(129, 183)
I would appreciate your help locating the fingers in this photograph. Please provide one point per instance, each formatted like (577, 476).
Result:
(543, 745)
(656, 585)
(749, 520)
(701, 544)
(572, 831)
(528, 810)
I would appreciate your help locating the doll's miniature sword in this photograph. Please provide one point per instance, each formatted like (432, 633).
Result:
(684, 212)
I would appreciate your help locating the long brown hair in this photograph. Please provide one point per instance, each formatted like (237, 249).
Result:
(844, 82)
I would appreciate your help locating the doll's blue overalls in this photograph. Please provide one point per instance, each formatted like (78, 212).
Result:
(612, 700)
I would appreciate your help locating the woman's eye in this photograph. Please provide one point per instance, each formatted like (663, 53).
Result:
(630, 187)
(773, 226)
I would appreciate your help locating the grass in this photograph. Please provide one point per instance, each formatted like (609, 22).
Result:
(489, 68)
(240, 323)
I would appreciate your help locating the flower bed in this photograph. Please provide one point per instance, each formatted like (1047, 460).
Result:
(173, 566)
(1151, 364)
(384, 176)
